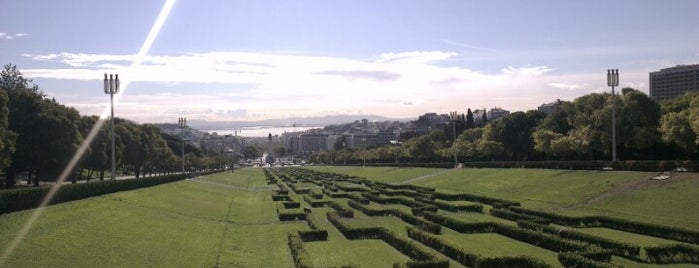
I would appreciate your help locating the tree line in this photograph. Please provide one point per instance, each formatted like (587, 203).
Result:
(39, 136)
(576, 130)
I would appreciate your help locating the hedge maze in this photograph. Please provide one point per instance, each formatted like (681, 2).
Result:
(432, 221)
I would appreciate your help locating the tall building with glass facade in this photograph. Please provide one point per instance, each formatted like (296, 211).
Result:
(672, 82)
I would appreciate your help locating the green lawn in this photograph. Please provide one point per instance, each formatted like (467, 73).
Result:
(671, 203)
(495, 245)
(621, 236)
(230, 220)
(182, 224)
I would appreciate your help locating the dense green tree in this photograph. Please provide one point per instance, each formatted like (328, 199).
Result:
(515, 133)
(470, 122)
(7, 138)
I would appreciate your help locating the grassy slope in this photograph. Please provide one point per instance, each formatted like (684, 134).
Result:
(672, 204)
(382, 174)
(183, 224)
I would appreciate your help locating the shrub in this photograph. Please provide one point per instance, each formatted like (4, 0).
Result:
(569, 259)
(673, 254)
(458, 208)
(298, 252)
(20, 199)
(313, 235)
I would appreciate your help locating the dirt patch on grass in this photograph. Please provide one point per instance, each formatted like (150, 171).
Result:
(633, 186)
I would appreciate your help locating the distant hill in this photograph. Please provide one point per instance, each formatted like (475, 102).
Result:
(299, 121)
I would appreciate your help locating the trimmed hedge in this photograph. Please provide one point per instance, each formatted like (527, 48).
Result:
(618, 248)
(313, 235)
(458, 208)
(573, 260)
(547, 241)
(408, 218)
(495, 202)
(341, 209)
(298, 252)
(667, 232)
(421, 257)
(469, 259)
(315, 202)
(673, 254)
(27, 198)
(516, 216)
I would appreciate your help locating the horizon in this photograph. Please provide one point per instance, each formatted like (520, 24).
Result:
(241, 61)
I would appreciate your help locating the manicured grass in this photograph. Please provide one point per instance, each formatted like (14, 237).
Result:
(629, 263)
(373, 252)
(244, 178)
(119, 231)
(671, 203)
(495, 245)
(621, 236)
(182, 224)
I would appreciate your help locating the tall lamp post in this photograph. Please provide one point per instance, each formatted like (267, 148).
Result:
(613, 81)
(453, 116)
(182, 124)
(363, 151)
(111, 87)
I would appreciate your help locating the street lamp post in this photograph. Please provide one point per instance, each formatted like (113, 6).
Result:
(182, 124)
(363, 151)
(453, 116)
(613, 81)
(111, 87)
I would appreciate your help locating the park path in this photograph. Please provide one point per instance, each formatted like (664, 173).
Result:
(427, 176)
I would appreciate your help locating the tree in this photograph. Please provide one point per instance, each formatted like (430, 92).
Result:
(639, 123)
(470, 122)
(7, 138)
(515, 133)
(12, 79)
(251, 151)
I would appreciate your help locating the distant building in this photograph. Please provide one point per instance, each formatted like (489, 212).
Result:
(496, 113)
(549, 108)
(312, 143)
(672, 82)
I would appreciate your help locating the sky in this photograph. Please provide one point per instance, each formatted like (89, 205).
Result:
(253, 60)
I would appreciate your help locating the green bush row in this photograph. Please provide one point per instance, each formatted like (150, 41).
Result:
(516, 216)
(544, 240)
(313, 235)
(335, 194)
(289, 214)
(618, 248)
(27, 198)
(469, 259)
(458, 208)
(278, 197)
(301, 257)
(633, 165)
(408, 218)
(341, 209)
(495, 202)
(673, 254)
(672, 233)
(350, 188)
(315, 202)
(421, 257)
(574, 260)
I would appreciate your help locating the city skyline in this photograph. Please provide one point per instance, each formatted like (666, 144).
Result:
(248, 61)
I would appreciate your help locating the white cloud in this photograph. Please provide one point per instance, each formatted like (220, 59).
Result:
(278, 85)
(10, 36)
(567, 86)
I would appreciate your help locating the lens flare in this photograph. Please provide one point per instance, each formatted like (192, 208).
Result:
(142, 53)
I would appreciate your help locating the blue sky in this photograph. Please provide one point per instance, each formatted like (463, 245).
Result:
(251, 60)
